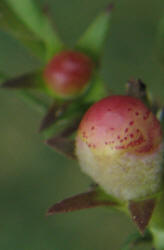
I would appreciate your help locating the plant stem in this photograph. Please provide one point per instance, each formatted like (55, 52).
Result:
(33, 100)
(157, 225)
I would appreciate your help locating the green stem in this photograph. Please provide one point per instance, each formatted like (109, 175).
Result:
(157, 225)
(158, 238)
(33, 100)
(38, 23)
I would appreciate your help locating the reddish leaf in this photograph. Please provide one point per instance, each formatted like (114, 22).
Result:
(55, 111)
(50, 117)
(63, 145)
(141, 212)
(78, 202)
(25, 81)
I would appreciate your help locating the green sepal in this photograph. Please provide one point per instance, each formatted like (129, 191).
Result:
(78, 105)
(103, 196)
(96, 91)
(70, 114)
(11, 24)
(34, 19)
(92, 41)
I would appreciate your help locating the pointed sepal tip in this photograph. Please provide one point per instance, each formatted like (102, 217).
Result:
(141, 212)
(78, 202)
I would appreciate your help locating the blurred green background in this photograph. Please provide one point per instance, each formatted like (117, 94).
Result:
(32, 176)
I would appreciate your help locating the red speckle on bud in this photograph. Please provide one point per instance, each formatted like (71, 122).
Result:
(125, 121)
(68, 73)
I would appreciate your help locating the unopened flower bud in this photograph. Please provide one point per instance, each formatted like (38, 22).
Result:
(68, 73)
(119, 145)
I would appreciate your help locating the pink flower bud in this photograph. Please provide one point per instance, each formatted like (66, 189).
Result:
(119, 144)
(68, 73)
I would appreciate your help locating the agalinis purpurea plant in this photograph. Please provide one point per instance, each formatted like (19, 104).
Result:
(117, 139)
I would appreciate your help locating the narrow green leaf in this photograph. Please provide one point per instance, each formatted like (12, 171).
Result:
(96, 91)
(11, 24)
(93, 39)
(32, 16)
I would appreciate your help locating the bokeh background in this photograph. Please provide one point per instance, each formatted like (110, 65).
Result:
(32, 176)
